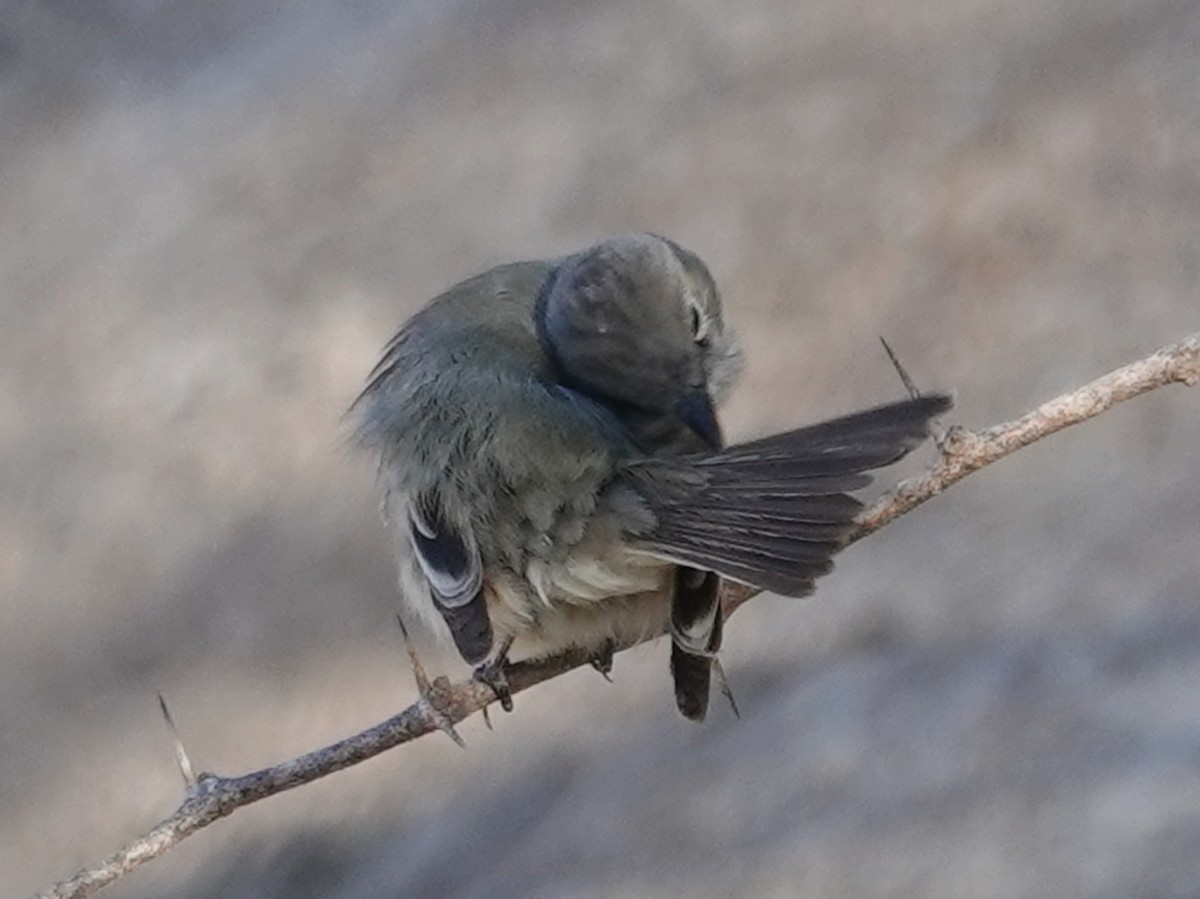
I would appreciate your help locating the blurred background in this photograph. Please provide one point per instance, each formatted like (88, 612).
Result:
(213, 215)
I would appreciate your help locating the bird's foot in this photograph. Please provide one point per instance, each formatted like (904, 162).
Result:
(603, 660)
(492, 673)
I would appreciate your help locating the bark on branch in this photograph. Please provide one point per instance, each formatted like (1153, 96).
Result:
(962, 451)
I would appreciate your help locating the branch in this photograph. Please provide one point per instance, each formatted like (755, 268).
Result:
(963, 451)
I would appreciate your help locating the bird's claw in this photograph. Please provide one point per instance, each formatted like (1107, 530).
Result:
(603, 660)
(492, 674)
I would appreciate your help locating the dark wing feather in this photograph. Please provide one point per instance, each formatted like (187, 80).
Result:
(451, 563)
(772, 513)
(696, 627)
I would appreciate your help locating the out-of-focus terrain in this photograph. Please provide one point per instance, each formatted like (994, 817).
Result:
(213, 215)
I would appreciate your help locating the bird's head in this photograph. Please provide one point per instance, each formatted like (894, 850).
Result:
(635, 322)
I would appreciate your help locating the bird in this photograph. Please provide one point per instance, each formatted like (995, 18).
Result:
(554, 474)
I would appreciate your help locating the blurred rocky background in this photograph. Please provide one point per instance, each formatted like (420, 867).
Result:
(211, 218)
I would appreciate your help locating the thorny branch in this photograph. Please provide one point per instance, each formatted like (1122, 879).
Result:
(962, 451)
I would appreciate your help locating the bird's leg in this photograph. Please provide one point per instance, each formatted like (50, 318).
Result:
(491, 672)
(603, 660)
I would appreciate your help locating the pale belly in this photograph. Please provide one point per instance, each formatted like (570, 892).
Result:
(585, 601)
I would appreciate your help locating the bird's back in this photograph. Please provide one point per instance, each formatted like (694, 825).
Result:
(464, 405)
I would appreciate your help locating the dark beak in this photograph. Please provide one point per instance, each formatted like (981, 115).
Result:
(695, 409)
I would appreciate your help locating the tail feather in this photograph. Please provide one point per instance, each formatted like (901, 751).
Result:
(893, 429)
(766, 572)
(754, 523)
(775, 504)
(772, 513)
(778, 480)
(721, 541)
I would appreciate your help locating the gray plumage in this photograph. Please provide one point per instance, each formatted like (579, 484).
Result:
(772, 513)
(552, 465)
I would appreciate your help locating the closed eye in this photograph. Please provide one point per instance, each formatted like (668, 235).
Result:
(700, 323)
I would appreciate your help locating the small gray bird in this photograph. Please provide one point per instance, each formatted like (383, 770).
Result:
(554, 473)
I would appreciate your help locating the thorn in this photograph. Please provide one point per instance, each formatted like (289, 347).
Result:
(432, 694)
(937, 434)
(414, 662)
(436, 700)
(913, 393)
(723, 686)
(181, 755)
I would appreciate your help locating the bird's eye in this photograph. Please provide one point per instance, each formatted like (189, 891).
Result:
(700, 322)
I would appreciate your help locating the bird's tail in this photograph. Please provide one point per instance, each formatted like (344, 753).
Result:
(772, 513)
